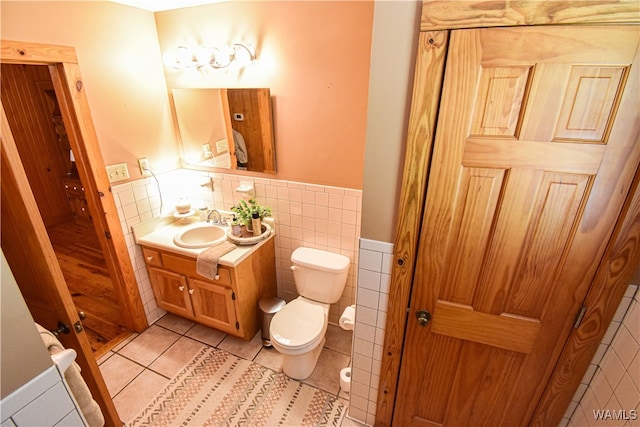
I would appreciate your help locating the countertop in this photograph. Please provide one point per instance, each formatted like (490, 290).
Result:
(158, 233)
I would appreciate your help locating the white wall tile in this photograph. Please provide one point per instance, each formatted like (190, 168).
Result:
(366, 315)
(371, 304)
(367, 298)
(612, 380)
(634, 370)
(301, 211)
(370, 280)
(361, 346)
(601, 389)
(44, 400)
(387, 259)
(627, 393)
(612, 368)
(625, 346)
(370, 260)
(632, 324)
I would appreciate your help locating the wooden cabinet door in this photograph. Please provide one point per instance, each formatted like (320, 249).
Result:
(171, 292)
(213, 305)
(535, 151)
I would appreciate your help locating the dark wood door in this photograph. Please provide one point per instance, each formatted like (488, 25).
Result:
(34, 265)
(535, 151)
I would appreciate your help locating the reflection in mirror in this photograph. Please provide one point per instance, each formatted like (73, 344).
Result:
(226, 128)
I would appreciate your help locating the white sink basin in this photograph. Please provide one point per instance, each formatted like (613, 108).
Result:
(200, 236)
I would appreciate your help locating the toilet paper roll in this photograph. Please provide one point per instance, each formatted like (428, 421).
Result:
(348, 318)
(345, 379)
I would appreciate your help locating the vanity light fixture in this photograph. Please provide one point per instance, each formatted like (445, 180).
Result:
(184, 58)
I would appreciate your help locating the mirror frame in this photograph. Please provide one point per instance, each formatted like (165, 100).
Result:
(246, 110)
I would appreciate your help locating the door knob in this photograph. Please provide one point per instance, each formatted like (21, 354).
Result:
(424, 317)
(62, 329)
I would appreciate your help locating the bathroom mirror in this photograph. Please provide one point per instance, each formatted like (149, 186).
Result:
(226, 128)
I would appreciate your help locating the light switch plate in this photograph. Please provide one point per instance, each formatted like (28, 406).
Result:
(118, 172)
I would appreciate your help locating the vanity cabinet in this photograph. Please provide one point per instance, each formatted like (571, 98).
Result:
(228, 303)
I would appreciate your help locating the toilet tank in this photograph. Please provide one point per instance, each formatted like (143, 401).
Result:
(319, 275)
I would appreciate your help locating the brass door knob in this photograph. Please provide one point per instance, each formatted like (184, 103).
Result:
(424, 317)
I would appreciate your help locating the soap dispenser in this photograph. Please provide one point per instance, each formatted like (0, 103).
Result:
(255, 224)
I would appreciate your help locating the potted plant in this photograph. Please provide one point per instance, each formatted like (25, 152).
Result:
(244, 210)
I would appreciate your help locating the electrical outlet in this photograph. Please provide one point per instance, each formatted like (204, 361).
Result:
(118, 172)
(145, 168)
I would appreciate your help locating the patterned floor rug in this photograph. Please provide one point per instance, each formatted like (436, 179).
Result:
(219, 389)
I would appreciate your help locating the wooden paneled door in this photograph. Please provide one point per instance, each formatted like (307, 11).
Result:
(535, 151)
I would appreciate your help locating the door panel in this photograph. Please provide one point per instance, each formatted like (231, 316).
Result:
(535, 151)
(171, 291)
(213, 305)
(33, 262)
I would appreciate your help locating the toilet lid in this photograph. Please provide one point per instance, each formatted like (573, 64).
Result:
(298, 324)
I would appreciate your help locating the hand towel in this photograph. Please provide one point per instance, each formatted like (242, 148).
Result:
(89, 407)
(207, 262)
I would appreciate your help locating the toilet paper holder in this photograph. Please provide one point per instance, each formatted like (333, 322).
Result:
(347, 320)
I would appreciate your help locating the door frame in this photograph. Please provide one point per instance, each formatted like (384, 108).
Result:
(438, 18)
(69, 87)
(25, 224)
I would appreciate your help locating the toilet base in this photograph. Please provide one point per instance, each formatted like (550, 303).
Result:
(300, 366)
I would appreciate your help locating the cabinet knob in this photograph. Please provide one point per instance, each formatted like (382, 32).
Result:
(149, 258)
(75, 188)
(181, 288)
(216, 277)
(191, 291)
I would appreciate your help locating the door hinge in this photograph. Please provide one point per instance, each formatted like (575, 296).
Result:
(579, 317)
(107, 234)
(237, 325)
(233, 296)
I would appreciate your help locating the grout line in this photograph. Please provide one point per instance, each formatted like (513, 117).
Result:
(180, 335)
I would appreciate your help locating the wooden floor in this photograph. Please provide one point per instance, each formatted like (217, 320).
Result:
(81, 260)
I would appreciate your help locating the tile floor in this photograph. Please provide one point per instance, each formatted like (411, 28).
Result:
(138, 368)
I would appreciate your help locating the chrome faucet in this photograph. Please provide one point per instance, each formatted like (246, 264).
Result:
(216, 217)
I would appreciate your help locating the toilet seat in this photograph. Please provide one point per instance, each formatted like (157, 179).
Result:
(299, 326)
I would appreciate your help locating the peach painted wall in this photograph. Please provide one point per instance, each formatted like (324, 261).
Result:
(121, 64)
(313, 55)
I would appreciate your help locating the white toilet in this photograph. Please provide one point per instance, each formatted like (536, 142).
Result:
(297, 331)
